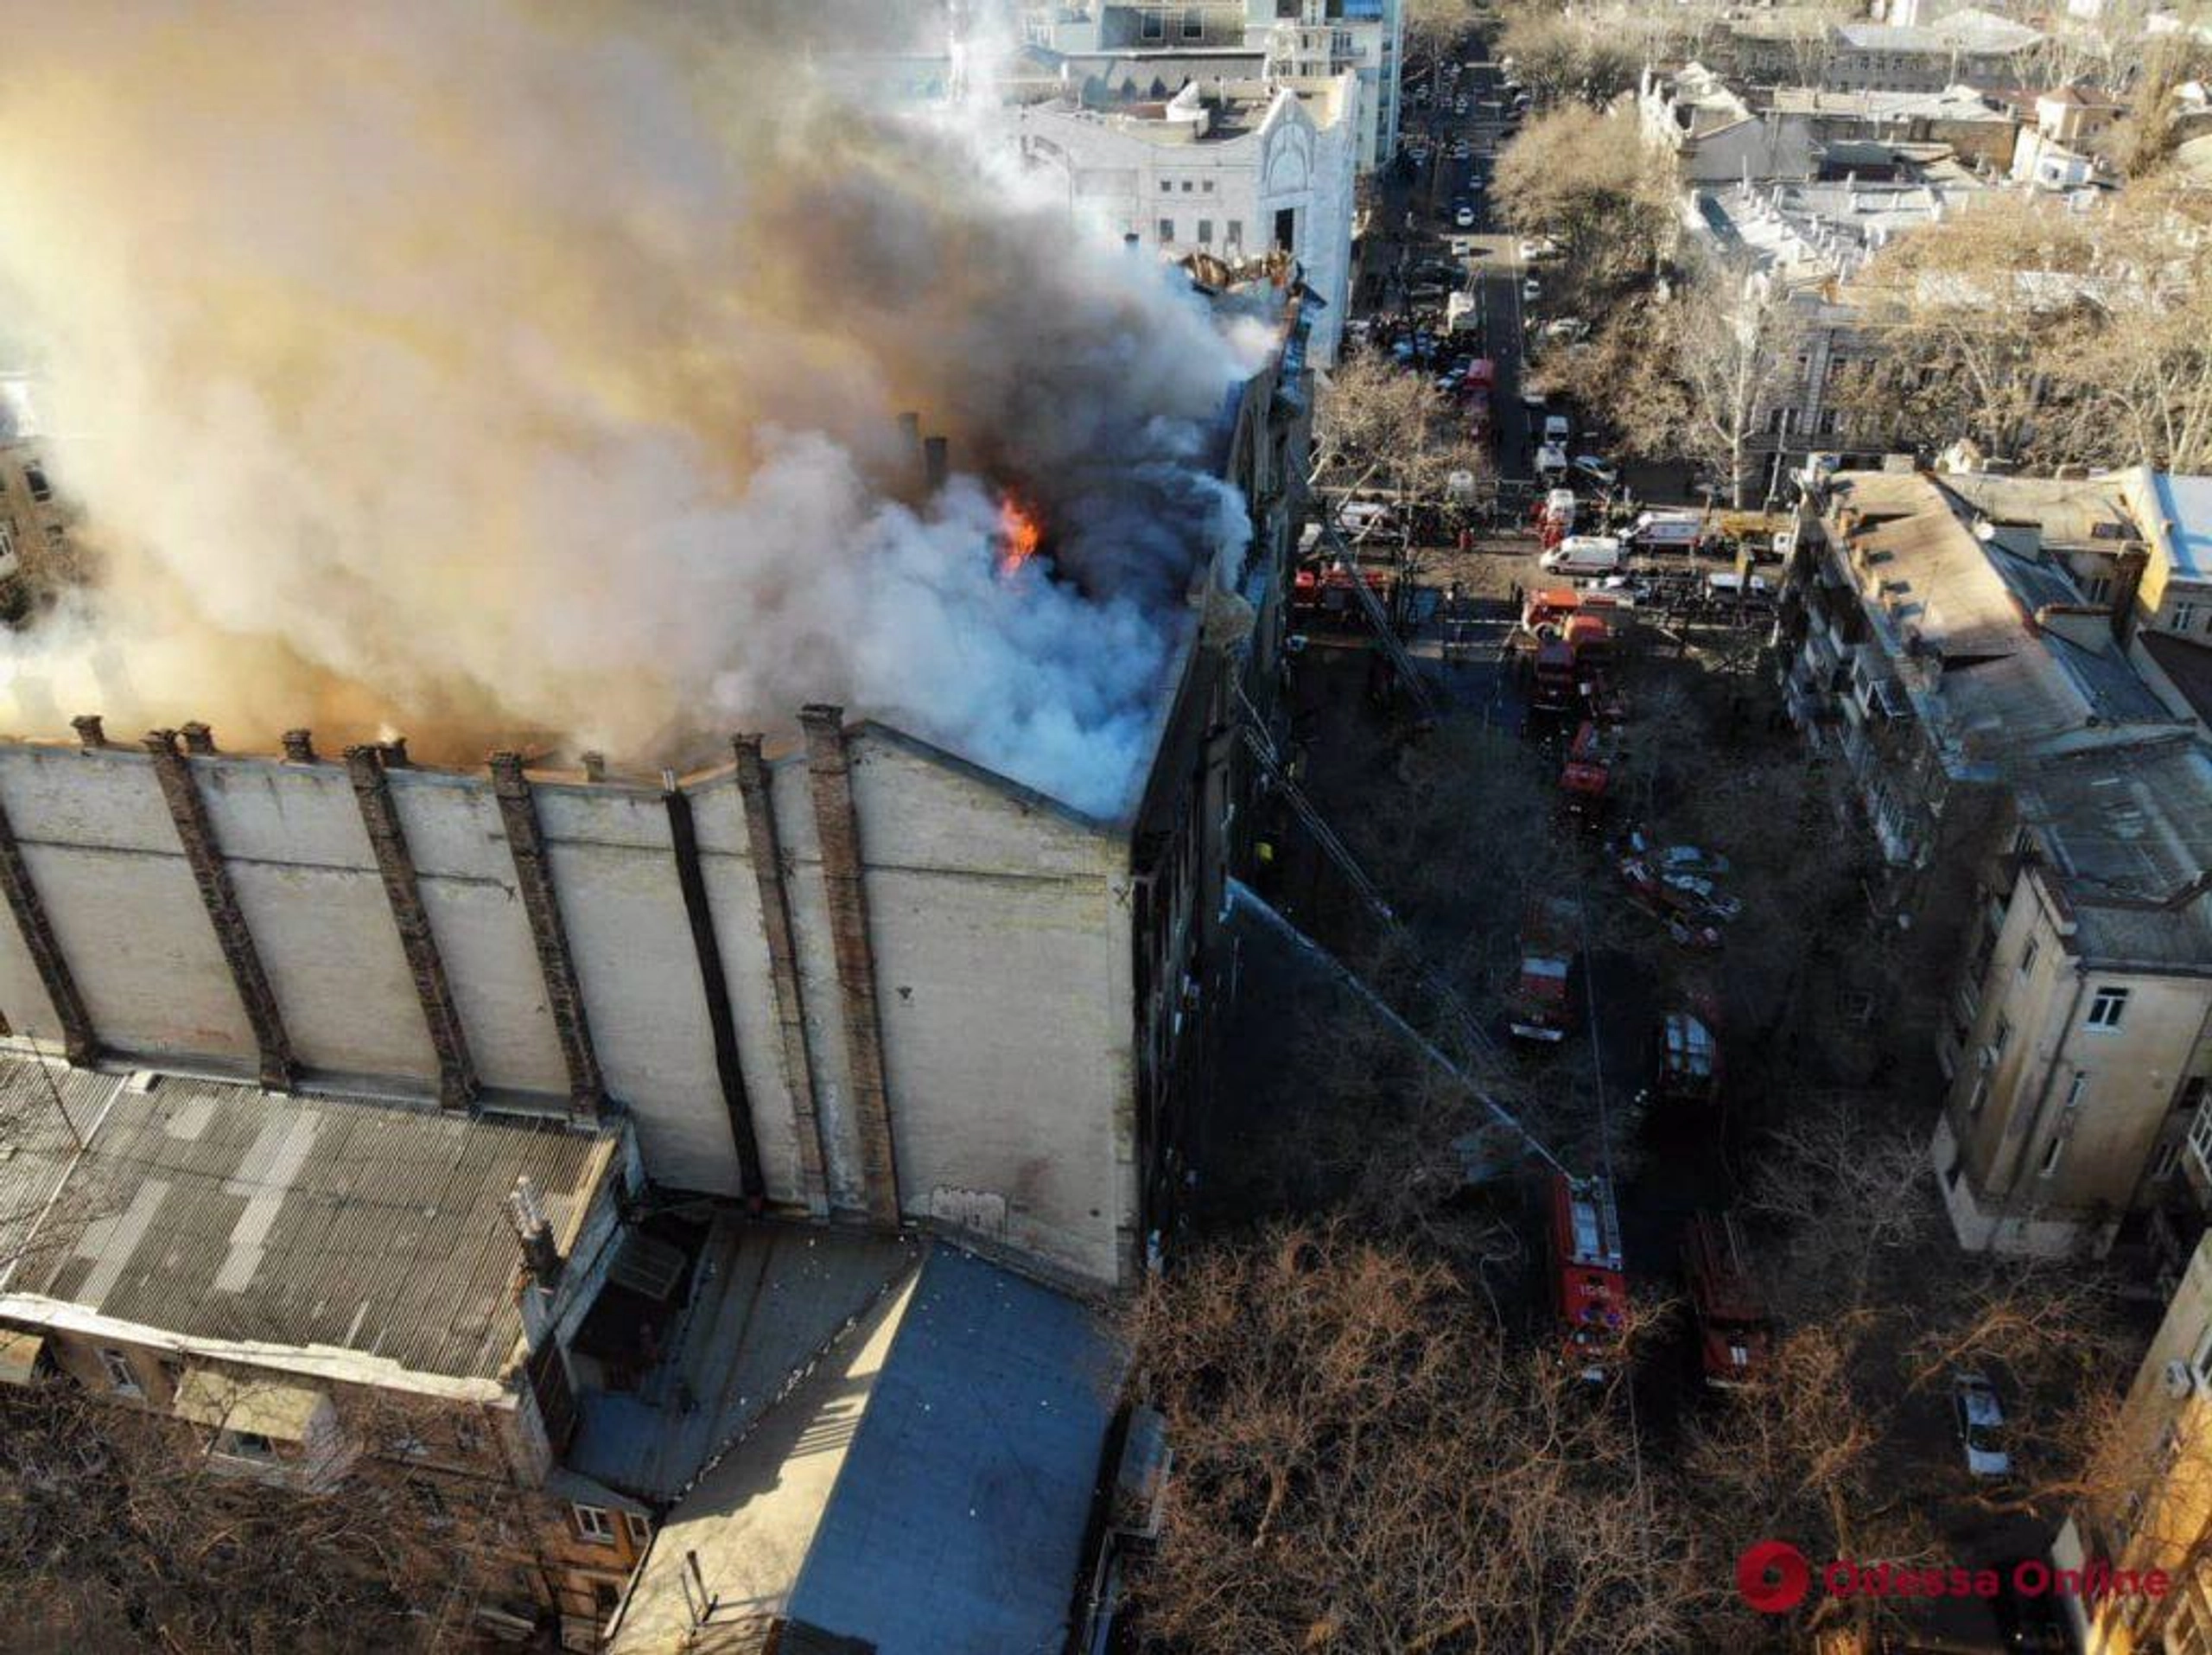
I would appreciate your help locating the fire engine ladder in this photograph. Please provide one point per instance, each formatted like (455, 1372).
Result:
(1385, 634)
(1254, 730)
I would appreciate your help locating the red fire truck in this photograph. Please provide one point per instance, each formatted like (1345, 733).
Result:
(1540, 1005)
(1734, 1331)
(1556, 605)
(1589, 1287)
(1588, 773)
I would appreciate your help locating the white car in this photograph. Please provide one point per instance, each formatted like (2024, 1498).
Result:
(1603, 473)
(1533, 248)
(1464, 218)
(1980, 1423)
(1531, 290)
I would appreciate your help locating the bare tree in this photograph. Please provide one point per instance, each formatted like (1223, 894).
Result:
(1363, 1462)
(1732, 339)
(1378, 425)
(1565, 58)
(1585, 179)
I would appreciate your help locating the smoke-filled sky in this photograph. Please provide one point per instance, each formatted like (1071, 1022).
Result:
(492, 369)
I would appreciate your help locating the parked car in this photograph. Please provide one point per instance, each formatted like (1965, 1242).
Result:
(1556, 429)
(1530, 291)
(1691, 859)
(1551, 463)
(1461, 149)
(1532, 248)
(1603, 473)
(1980, 1424)
(1463, 217)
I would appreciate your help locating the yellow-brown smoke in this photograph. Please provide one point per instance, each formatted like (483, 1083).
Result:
(493, 371)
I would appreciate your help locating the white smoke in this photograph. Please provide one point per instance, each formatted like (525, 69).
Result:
(498, 372)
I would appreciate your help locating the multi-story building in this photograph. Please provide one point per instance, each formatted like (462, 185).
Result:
(2149, 1505)
(38, 549)
(1293, 39)
(852, 974)
(1977, 128)
(2049, 821)
(1235, 170)
(320, 1294)
(1976, 47)
(1798, 243)
(1713, 136)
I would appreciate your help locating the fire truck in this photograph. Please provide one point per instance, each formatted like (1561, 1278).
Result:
(1589, 1284)
(1588, 775)
(1554, 606)
(1539, 1007)
(1735, 1332)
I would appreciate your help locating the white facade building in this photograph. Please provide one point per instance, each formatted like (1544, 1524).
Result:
(1236, 169)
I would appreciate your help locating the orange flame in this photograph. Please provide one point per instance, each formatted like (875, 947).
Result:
(1020, 535)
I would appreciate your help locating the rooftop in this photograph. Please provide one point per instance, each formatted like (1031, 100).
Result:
(1957, 103)
(926, 1485)
(2129, 838)
(1958, 606)
(216, 1212)
(1962, 31)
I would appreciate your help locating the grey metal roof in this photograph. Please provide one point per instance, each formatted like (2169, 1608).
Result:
(926, 1490)
(2128, 832)
(216, 1211)
(44, 1106)
(764, 1300)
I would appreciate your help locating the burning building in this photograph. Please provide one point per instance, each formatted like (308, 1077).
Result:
(842, 970)
(578, 436)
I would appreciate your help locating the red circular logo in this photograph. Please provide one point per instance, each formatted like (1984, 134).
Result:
(1773, 1576)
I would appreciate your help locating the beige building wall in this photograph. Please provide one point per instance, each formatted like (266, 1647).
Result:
(2052, 1121)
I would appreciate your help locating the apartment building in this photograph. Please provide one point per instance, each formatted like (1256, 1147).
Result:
(331, 1298)
(2080, 1029)
(2151, 1506)
(2048, 819)
(1977, 48)
(39, 553)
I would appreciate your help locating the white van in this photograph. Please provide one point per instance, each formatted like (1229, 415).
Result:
(1551, 463)
(1724, 585)
(1669, 530)
(1584, 554)
(1555, 429)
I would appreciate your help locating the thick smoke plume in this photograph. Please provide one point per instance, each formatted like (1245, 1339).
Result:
(500, 371)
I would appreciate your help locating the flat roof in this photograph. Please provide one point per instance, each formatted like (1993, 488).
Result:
(927, 1486)
(210, 1210)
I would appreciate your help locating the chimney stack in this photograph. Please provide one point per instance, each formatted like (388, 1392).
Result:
(159, 741)
(594, 766)
(937, 462)
(299, 747)
(527, 1214)
(910, 440)
(198, 738)
(89, 730)
(395, 753)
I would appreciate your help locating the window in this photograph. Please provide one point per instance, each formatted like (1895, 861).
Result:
(1194, 24)
(2051, 1155)
(1187, 186)
(55, 535)
(1166, 230)
(2074, 1090)
(467, 1437)
(1999, 1034)
(1166, 187)
(1206, 232)
(2028, 956)
(245, 1445)
(1154, 28)
(2106, 1008)
(2098, 588)
(120, 1373)
(1205, 187)
(641, 1532)
(2184, 617)
(1981, 1093)
(593, 1523)
(34, 477)
(2169, 1158)
(1237, 233)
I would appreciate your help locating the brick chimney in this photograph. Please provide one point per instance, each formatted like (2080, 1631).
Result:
(198, 738)
(89, 730)
(299, 747)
